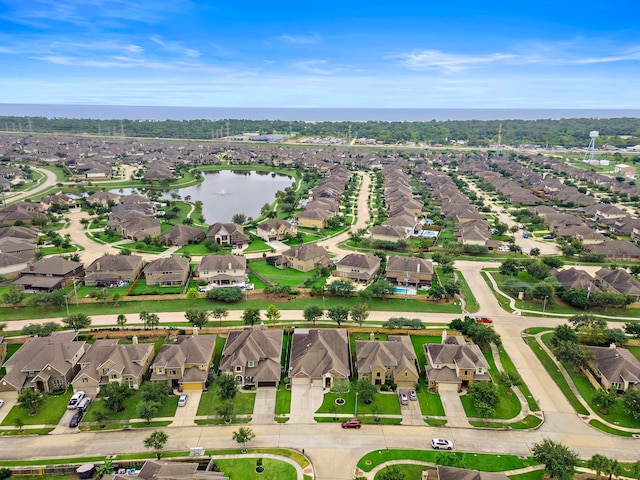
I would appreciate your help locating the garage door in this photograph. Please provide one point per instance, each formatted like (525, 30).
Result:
(447, 387)
(192, 386)
(267, 384)
(300, 381)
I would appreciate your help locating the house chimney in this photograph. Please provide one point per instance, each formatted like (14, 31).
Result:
(444, 335)
(229, 265)
(418, 269)
(134, 340)
(98, 266)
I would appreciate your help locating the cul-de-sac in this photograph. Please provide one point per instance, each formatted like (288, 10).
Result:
(252, 308)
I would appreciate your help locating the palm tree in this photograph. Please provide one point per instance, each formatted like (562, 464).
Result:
(157, 440)
(598, 463)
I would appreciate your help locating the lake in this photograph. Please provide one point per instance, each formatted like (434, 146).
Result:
(224, 193)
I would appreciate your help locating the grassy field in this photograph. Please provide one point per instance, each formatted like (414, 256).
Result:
(388, 403)
(243, 402)
(274, 275)
(167, 409)
(418, 341)
(283, 400)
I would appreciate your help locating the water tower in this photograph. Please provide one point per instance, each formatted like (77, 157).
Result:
(591, 149)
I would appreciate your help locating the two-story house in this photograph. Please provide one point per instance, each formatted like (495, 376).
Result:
(409, 271)
(276, 230)
(454, 364)
(185, 363)
(223, 270)
(230, 234)
(304, 258)
(167, 271)
(318, 356)
(50, 273)
(44, 363)
(112, 269)
(393, 360)
(252, 357)
(359, 267)
(107, 361)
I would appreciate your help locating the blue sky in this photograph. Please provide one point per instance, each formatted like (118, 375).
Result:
(422, 54)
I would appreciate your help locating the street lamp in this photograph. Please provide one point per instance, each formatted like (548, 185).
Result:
(544, 305)
(66, 302)
(75, 290)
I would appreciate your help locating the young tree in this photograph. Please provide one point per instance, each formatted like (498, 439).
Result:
(390, 473)
(225, 410)
(273, 314)
(366, 391)
(77, 321)
(605, 399)
(360, 313)
(340, 288)
(598, 463)
(153, 320)
(243, 436)
(13, 297)
(227, 387)
(121, 320)
(156, 441)
(614, 468)
(147, 410)
(18, 423)
(219, 313)
(313, 313)
(100, 416)
(339, 314)
(559, 461)
(631, 402)
(31, 400)
(196, 317)
(251, 316)
(114, 394)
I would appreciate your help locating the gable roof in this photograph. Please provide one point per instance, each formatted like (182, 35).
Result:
(258, 345)
(168, 264)
(126, 359)
(617, 364)
(396, 352)
(186, 349)
(51, 266)
(317, 352)
(112, 263)
(454, 473)
(306, 251)
(222, 262)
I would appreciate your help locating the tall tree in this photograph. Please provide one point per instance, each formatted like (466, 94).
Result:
(77, 321)
(156, 441)
(121, 320)
(339, 314)
(251, 316)
(559, 461)
(147, 410)
(197, 317)
(313, 313)
(31, 400)
(226, 386)
(598, 463)
(219, 313)
(114, 395)
(359, 313)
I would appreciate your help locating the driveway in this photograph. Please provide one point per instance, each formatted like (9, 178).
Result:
(411, 413)
(456, 417)
(186, 416)
(305, 400)
(10, 400)
(264, 407)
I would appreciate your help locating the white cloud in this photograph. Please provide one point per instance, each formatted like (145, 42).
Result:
(175, 47)
(299, 39)
(318, 67)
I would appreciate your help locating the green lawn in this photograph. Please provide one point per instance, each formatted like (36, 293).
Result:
(274, 275)
(243, 402)
(283, 400)
(244, 469)
(11, 349)
(508, 407)
(200, 249)
(508, 366)
(141, 288)
(409, 471)
(388, 402)
(142, 247)
(430, 403)
(167, 409)
(557, 377)
(478, 461)
(107, 237)
(257, 245)
(418, 341)
(57, 250)
(49, 413)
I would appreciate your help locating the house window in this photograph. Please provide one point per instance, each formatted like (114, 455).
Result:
(406, 374)
(85, 380)
(238, 368)
(378, 374)
(57, 383)
(160, 370)
(250, 364)
(105, 371)
(114, 376)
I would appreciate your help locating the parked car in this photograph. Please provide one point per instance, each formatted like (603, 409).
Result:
(548, 237)
(75, 420)
(525, 234)
(403, 399)
(84, 404)
(75, 400)
(412, 395)
(441, 444)
(504, 248)
(1, 403)
(483, 320)
(355, 423)
(182, 400)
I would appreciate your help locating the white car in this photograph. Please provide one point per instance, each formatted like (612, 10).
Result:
(75, 400)
(504, 248)
(182, 400)
(1, 403)
(441, 444)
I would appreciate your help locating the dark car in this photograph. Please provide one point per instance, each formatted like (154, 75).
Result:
(75, 420)
(483, 320)
(548, 237)
(351, 424)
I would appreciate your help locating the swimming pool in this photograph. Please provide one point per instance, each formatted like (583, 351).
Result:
(406, 291)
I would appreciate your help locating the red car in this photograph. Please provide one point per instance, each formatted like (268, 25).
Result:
(351, 424)
(483, 320)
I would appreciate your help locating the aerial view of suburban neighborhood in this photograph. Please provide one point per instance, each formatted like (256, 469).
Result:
(299, 306)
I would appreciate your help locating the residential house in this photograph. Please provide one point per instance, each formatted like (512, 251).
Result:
(107, 361)
(276, 230)
(50, 273)
(359, 267)
(223, 270)
(618, 281)
(304, 257)
(165, 470)
(574, 279)
(319, 356)
(24, 212)
(409, 271)
(389, 234)
(393, 361)
(61, 200)
(185, 363)
(454, 364)
(616, 368)
(252, 357)
(44, 363)
(111, 270)
(167, 271)
(180, 235)
(614, 250)
(134, 225)
(313, 218)
(230, 234)
(455, 473)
